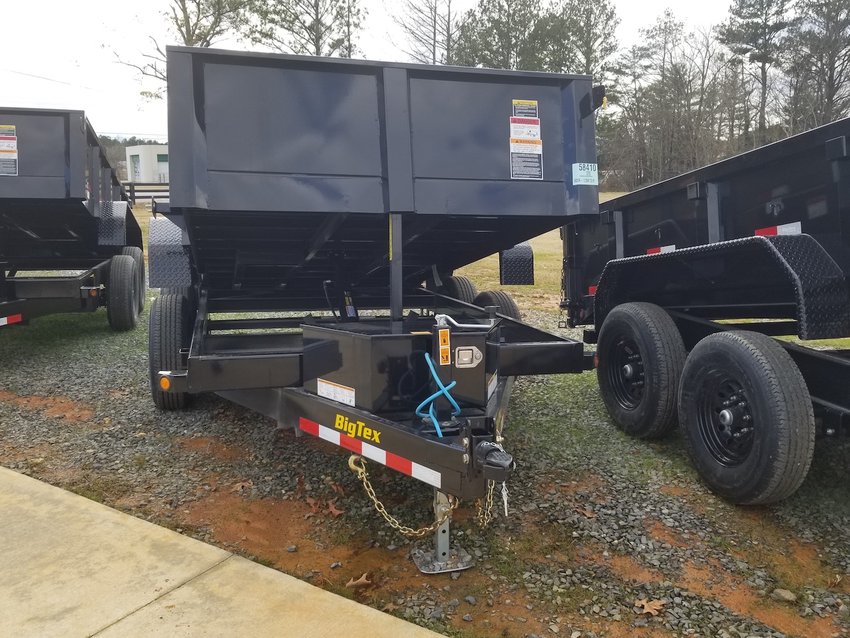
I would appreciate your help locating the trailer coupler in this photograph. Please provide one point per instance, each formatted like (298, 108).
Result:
(493, 462)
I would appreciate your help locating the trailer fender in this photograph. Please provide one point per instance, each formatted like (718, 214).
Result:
(112, 224)
(792, 270)
(168, 250)
(516, 266)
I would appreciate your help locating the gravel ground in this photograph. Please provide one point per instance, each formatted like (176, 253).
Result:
(605, 536)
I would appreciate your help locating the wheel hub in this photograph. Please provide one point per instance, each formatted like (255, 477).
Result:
(725, 420)
(626, 372)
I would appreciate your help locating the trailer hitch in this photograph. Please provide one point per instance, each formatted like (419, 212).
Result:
(493, 461)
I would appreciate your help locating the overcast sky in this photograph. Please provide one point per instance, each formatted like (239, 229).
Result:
(65, 54)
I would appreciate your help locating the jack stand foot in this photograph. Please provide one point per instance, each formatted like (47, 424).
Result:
(443, 558)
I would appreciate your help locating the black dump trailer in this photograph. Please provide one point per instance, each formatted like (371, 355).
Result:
(685, 286)
(318, 209)
(62, 208)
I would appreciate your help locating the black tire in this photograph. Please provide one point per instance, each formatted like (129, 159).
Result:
(747, 418)
(139, 257)
(641, 356)
(122, 297)
(460, 288)
(507, 305)
(169, 332)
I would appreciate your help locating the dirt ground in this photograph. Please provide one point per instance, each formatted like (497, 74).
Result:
(605, 536)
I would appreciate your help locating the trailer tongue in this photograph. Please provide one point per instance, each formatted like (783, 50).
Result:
(318, 210)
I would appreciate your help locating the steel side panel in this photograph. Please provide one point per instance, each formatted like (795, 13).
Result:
(43, 141)
(281, 143)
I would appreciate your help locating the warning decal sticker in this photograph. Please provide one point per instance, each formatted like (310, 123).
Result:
(8, 150)
(526, 145)
(525, 108)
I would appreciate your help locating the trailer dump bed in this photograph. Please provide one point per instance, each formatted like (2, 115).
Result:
(63, 208)
(309, 184)
(286, 169)
(682, 285)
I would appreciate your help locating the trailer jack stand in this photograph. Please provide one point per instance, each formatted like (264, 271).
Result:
(443, 558)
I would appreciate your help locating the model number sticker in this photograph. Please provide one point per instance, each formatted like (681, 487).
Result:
(585, 175)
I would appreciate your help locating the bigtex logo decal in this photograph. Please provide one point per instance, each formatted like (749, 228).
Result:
(356, 429)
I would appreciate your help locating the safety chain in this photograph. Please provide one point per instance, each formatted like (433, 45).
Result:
(485, 506)
(358, 466)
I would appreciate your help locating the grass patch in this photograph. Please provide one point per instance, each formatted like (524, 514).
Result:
(100, 489)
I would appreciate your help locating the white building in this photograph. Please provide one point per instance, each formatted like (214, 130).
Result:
(147, 163)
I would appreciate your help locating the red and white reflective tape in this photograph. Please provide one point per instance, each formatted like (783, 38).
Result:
(6, 321)
(794, 228)
(661, 249)
(369, 451)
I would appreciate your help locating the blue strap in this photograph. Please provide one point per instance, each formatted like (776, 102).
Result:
(443, 391)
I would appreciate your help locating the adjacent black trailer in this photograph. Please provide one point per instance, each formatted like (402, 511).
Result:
(62, 208)
(318, 209)
(685, 283)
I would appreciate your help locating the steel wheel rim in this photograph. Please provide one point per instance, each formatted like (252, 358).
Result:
(626, 373)
(725, 419)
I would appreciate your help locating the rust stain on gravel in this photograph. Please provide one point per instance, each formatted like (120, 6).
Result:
(712, 581)
(660, 532)
(627, 568)
(794, 563)
(211, 446)
(55, 407)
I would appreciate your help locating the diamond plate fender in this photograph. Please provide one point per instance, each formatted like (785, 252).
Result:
(168, 255)
(112, 223)
(750, 271)
(516, 266)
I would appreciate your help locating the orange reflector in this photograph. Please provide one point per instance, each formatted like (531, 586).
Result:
(165, 383)
(92, 293)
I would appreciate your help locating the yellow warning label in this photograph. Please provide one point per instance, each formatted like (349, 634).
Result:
(524, 108)
(445, 355)
(445, 339)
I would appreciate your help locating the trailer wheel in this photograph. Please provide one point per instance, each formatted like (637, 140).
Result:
(169, 332)
(122, 298)
(139, 257)
(506, 303)
(641, 356)
(747, 417)
(460, 288)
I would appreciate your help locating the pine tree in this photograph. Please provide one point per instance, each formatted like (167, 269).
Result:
(755, 30)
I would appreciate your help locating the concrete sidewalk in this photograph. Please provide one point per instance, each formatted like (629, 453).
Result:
(72, 567)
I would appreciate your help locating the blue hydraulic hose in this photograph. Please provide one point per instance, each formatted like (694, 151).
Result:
(443, 391)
